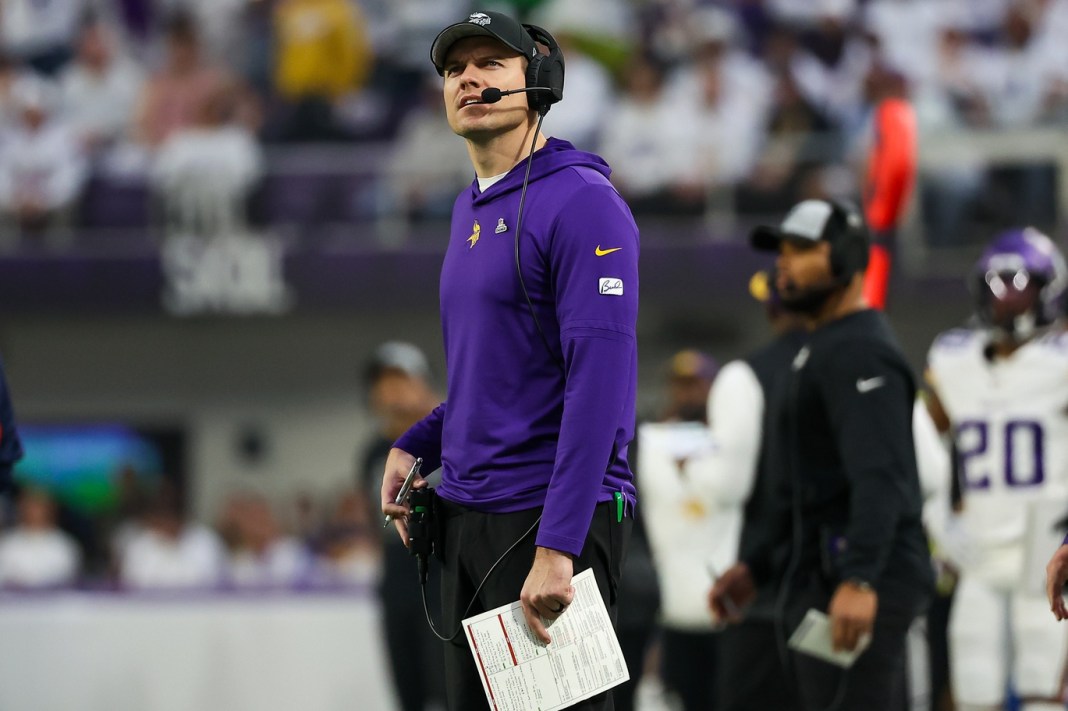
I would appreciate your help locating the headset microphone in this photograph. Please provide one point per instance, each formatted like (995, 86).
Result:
(492, 95)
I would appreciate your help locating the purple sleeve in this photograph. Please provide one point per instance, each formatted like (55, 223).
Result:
(594, 259)
(423, 439)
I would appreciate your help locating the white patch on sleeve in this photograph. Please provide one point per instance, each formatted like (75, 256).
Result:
(610, 286)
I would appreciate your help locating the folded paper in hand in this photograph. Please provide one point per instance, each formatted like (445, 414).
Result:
(813, 637)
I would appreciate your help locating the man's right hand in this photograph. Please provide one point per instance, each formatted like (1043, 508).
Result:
(732, 593)
(398, 464)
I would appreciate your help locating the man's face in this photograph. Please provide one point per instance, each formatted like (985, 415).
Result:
(477, 63)
(1012, 296)
(802, 266)
(688, 397)
(397, 394)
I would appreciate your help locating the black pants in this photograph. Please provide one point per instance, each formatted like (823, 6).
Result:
(751, 672)
(688, 667)
(473, 542)
(877, 681)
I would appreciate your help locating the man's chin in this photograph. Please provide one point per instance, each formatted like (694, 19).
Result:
(474, 131)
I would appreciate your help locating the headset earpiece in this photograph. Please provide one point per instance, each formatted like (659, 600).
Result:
(545, 71)
(849, 250)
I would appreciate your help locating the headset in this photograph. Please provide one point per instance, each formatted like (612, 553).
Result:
(545, 71)
(850, 243)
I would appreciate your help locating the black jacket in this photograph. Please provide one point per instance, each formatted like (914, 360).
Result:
(843, 463)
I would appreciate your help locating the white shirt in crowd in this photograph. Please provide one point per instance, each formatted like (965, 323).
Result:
(578, 118)
(33, 25)
(46, 163)
(284, 564)
(225, 160)
(101, 106)
(722, 136)
(640, 143)
(38, 559)
(195, 559)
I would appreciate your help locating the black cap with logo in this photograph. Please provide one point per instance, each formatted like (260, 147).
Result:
(499, 26)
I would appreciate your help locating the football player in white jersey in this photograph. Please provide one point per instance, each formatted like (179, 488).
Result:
(1001, 389)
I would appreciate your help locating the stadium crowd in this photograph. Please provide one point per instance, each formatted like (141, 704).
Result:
(697, 105)
(148, 542)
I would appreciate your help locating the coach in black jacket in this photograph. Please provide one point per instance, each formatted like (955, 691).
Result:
(844, 470)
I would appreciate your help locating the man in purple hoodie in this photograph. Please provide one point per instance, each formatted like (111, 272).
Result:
(539, 298)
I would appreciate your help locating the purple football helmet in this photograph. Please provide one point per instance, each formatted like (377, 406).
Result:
(1020, 283)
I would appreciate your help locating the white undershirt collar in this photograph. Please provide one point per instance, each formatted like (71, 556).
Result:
(485, 184)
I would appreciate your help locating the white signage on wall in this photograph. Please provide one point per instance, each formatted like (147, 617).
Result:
(233, 274)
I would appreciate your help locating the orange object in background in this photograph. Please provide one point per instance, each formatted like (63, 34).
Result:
(888, 185)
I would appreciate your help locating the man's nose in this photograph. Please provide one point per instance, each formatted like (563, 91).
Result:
(470, 76)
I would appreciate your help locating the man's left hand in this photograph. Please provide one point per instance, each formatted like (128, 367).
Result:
(547, 591)
(1056, 575)
(852, 612)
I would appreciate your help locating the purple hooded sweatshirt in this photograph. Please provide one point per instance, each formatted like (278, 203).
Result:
(523, 427)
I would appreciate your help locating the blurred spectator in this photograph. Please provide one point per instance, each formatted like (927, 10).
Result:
(166, 552)
(908, 33)
(222, 27)
(639, 139)
(175, 96)
(1027, 85)
(795, 149)
(348, 552)
(261, 555)
(42, 166)
(721, 100)
(9, 73)
(100, 87)
(400, 32)
(205, 171)
(830, 70)
(425, 143)
(691, 535)
(948, 97)
(40, 34)
(665, 32)
(806, 14)
(322, 54)
(953, 92)
(397, 378)
(594, 36)
(304, 515)
(1029, 78)
(578, 118)
(37, 554)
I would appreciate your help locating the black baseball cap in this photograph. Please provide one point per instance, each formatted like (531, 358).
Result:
(497, 25)
(810, 221)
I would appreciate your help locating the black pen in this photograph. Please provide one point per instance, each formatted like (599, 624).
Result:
(405, 487)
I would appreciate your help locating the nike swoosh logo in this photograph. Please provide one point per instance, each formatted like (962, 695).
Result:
(866, 386)
(601, 252)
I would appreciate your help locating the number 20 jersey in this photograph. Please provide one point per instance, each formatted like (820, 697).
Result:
(1010, 426)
